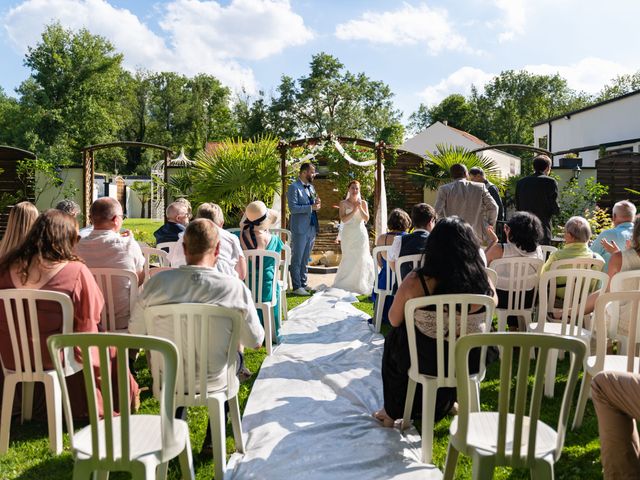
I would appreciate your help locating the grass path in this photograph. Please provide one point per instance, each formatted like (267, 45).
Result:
(29, 457)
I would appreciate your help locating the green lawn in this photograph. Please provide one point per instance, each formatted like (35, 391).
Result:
(143, 228)
(29, 457)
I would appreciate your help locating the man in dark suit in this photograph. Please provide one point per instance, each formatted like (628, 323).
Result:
(538, 194)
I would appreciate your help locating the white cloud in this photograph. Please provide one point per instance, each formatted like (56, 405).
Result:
(514, 18)
(409, 25)
(589, 74)
(459, 81)
(198, 36)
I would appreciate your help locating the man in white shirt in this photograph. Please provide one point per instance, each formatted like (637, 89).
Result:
(231, 260)
(105, 247)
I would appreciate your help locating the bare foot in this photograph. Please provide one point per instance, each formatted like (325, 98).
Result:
(386, 420)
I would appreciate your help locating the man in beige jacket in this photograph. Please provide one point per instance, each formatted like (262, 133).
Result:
(470, 201)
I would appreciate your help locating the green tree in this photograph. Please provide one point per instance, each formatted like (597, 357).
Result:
(332, 100)
(454, 109)
(70, 94)
(251, 116)
(143, 190)
(619, 86)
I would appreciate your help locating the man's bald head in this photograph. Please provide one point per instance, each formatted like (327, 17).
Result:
(200, 239)
(104, 214)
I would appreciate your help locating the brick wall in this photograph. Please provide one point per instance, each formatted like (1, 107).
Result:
(325, 189)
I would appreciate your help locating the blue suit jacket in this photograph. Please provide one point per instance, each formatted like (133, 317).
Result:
(300, 208)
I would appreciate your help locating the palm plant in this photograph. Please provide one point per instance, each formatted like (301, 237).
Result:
(237, 172)
(434, 171)
(143, 190)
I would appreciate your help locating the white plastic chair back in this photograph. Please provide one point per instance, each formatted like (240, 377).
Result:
(207, 337)
(413, 260)
(591, 263)
(160, 258)
(626, 360)
(255, 281)
(382, 291)
(122, 441)
(111, 280)
(168, 245)
(629, 280)
(547, 250)
(579, 284)
(284, 281)
(515, 435)
(492, 275)
(20, 308)
(452, 315)
(283, 233)
(521, 275)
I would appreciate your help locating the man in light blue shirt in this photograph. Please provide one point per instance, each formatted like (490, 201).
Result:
(623, 214)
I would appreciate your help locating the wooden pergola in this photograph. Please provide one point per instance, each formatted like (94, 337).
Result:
(88, 167)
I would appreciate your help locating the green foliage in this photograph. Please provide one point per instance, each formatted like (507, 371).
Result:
(143, 229)
(619, 86)
(236, 173)
(434, 171)
(37, 176)
(454, 109)
(143, 190)
(581, 199)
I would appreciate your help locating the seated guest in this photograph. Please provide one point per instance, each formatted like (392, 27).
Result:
(622, 215)
(69, 207)
(199, 282)
(231, 260)
(177, 219)
(577, 233)
(21, 218)
(523, 231)
(423, 217)
(451, 264)
(255, 235)
(46, 261)
(105, 247)
(397, 224)
(615, 399)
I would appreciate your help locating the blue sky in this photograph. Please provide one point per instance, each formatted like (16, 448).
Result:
(424, 50)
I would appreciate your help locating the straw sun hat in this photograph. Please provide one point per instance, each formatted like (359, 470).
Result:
(260, 216)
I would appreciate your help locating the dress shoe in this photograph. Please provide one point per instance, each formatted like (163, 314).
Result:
(301, 291)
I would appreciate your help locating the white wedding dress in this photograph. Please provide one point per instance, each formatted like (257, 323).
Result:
(356, 271)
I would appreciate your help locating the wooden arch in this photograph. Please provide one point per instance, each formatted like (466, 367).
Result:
(88, 167)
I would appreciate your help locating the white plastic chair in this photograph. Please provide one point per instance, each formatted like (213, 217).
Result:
(599, 362)
(283, 233)
(254, 280)
(207, 337)
(24, 332)
(149, 252)
(123, 442)
(382, 292)
(168, 245)
(521, 274)
(456, 326)
(591, 263)
(514, 435)
(414, 260)
(547, 250)
(579, 284)
(622, 281)
(283, 280)
(110, 280)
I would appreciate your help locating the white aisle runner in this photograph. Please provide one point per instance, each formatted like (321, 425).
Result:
(309, 413)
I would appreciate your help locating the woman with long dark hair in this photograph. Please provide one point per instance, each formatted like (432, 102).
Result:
(46, 261)
(451, 264)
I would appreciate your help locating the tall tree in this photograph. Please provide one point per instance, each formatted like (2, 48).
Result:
(454, 109)
(619, 86)
(71, 93)
(332, 100)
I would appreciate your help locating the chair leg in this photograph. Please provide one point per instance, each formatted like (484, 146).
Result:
(218, 437)
(82, 470)
(408, 403)
(8, 394)
(382, 297)
(474, 401)
(268, 339)
(101, 475)
(451, 462)
(186, 462)
(550, 376)
(53, 395)
(542, 469)
(236, 423)
(428, 411)
(163, 470)
(582, 401)
(283, 305)
(502, 320)
(482, 467)
(27, 400)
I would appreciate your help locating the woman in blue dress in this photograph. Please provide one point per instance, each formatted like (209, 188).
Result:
(254, 235)
(398, 223)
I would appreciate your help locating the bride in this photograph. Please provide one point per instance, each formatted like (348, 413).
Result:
(356, 270)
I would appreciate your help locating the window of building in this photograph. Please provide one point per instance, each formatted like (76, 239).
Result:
(543, 141)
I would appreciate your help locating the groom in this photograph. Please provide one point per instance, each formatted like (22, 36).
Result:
(303, 222)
